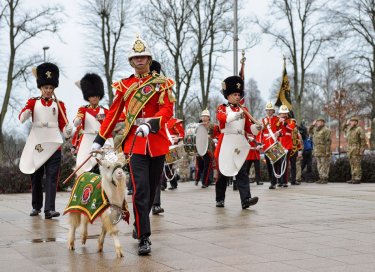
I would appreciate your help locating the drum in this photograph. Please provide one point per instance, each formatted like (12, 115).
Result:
(196, 139)
(176, 153)
(275, 152)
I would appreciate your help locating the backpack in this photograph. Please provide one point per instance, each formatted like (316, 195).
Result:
(308, 144)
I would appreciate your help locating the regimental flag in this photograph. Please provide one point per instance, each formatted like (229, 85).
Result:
(242, 74)
(283, 97)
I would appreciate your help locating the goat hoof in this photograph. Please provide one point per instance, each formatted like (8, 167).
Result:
(119, 253)
(71, 247)
(83, 241)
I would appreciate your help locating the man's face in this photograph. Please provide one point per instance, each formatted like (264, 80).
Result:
(283, 115)
(353, 122)
(270, 112)
(47, 91)
(320, 123)
(94, 100)
(205, 119)
(234, 98)
(140, 62)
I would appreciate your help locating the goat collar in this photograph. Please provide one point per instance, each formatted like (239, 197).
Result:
(115, 213)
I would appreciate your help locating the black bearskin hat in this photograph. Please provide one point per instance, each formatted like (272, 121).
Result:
(155, 66)
(92, 85)
(47, 74)
(232, 84)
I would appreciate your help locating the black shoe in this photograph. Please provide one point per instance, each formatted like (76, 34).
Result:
(156, 209)
(285, 185)
(144, 246)
(196, 182)
(162, 187)
(279, 185)
(249, 202)
(50, 214)
(220, 203)
(259, 183)
(204, 186)
(272, 187)
(172, 188)
(130, 192)
(296, 183)
(35, 212)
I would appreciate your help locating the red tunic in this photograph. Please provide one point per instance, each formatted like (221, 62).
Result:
(175, 127)
(254, 154)
(47, 103)
(221, 116)
(159, 106)
(264, 135)
(76, 139)
(286, 133)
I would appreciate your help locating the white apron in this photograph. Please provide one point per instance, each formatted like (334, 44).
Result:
(234, 147)
(44, 138)
(92, 127)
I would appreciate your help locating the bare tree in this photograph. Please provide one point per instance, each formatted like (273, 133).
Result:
(210, 24)
(356, 19)
(105, 20)
(169, 27)
(23, 26)
(302, 38)
(253, 99)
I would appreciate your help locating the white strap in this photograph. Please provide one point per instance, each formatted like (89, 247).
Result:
(46, 124)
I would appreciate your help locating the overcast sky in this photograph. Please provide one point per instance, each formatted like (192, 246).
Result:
(263, 63)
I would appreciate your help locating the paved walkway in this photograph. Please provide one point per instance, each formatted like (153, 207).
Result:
(301, 228)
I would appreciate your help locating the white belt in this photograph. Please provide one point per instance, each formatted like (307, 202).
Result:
(140, 121)
(46, 124)
(90, 132)
(233, 131)
(265, 134)
(288, 133)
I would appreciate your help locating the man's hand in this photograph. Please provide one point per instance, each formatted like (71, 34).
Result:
(25, 115)
(143, 129)
(68, 129)
(95, 146)
(77, 121)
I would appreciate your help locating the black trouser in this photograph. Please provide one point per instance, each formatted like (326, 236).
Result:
(207, 169)
(257, 169)
(271, 174)
(242, 181)
(52, 169)
(145, 172)
(307, 162)
(293, 167)
(199, 165)
(284, 177)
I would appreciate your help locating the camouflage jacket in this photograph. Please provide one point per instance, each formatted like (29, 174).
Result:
(322, 141)
(356, 139)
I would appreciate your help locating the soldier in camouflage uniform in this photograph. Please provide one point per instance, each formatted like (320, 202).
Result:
(355, 137)
(322, 147)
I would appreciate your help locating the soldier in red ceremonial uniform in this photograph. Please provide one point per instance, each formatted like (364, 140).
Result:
(254, 158)
(88, 120)
(147, 102)
(42, 151)
(287, 126)
(233, 147)
(204, 165)
(268, 136)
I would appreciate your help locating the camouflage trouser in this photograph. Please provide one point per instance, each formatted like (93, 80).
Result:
(298, 166)
(355, 167)
(323, 167)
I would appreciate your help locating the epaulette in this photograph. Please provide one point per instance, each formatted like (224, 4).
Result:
(85, 106)
(116, 85)
(36, 98)
(159, 79)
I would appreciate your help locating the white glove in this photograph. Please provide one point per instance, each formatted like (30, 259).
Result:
(232, 116)
(255, 128)
(143, 129)
(95, 146)
(68, 129)
(77, 121)
(25, 115)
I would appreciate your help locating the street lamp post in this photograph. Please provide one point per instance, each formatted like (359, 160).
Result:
(45, 48)
(328, 88)
(235, 40)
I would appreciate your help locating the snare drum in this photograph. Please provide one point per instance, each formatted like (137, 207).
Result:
(275, 152)
(196, 139)
(175, 154)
